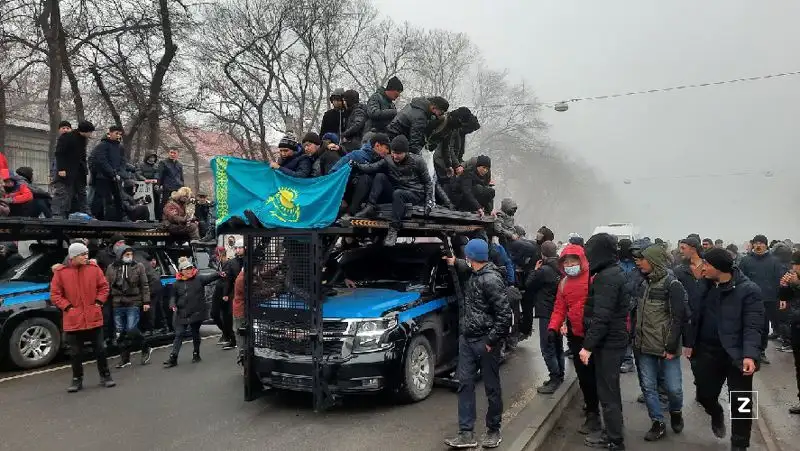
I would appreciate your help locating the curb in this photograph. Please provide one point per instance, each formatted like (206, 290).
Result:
(763, 424)
(540, 426)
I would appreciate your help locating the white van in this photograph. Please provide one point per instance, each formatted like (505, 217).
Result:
(620, 230)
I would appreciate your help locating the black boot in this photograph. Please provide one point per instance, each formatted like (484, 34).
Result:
(391, 237)
(367, 212)
(171, 361)
(676, 421)
(550, 387)
(76, 385)
(592, 424)
(196, 357)
(657, 431)
(718, 425)
(106, 381)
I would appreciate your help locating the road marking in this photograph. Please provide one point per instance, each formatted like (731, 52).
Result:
(63, 367)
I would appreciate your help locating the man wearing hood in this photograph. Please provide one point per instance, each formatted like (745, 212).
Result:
(176, 218)
(104, 258)
(380, 106)
(723, 340)
(16, 195)
(765, 270)
(399, 179)
(333, 121)
(472, 192)
(147, 171)
(107, 165)
(41, 197)
(450, 141)
(69, 184)
(504, 222)
(605, 320)
(567, 319)
(293, 162)
(659, 320)
(129, 292)
(412, 121)
(133, 210)
(540, 295)
(354, 128)
(484, 323)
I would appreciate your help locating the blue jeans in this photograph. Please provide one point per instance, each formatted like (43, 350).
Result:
(126, 318)
(553, 352)
(472, 355)
(651, 369)
(628, 357)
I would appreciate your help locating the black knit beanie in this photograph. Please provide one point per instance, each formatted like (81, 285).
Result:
(720, 259)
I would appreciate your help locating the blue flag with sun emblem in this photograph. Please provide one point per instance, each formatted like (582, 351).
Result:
(276, 199)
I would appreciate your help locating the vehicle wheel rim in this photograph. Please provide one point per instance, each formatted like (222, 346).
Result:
(420, 368)
(35, 343)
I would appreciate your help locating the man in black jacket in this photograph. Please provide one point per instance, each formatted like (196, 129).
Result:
(333, 121)
(107, 164)
(170, 176)
(484, 323)
(605, 315)
(147, 171)
(69, 185)
(380, 106)
(790, 302)
(540, 295)
(765, 270)
(354, 128)
(724, 341)
(412, 121)
(231, 270)
(400, 179)
(472, 191)
(450, 139)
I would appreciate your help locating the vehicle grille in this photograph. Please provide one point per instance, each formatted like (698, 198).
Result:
(281, 337)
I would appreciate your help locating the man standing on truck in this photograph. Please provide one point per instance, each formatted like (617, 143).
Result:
(79, 289)
(484, 323)
(69, 185)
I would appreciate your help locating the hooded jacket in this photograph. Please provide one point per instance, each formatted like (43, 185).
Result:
(412, 122)
(463, 196)
(107, 160)
(147, 170)
(449, 152)
(324, 161)
(542, 286)
(354, 128)
(380, 112)
(571, 295)
(486, 313)
(333, 121)
(175, 213)
(298, 165)
(660, 313)
(410, 174)
(765, 271)
(606, 311)
(364, 155)
(740, 321)
(71, 157)
(20, 193)
(128, 283)
(79, 292)
(170, 175)
(504, 223)
(189, 296)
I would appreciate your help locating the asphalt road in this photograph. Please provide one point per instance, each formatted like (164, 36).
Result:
(696, 436)
(200, 407)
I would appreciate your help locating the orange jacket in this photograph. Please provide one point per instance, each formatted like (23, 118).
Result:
(79, 292)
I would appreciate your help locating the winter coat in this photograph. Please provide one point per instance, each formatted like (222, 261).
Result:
(232, 268)
(324, 162)
(791, 294)
(70, 156)
(571, 295)
(174, 213)
(410, 174)
(170, 175)
(146, 170)
(203, 211)
(20, 193)
(380, 112)
(107, 160)
(693, 287)
(740, 318)
(765, 271)
(364, 155)
(660, 313)
(354, 128)
(238, 296)
(524, 252)
(606, 311)
(79, 292)
(501, 259)
(412, 122)
(128, 283)
(333, 121)
(189, 296)
(298, 165)
(542, 286)
(449, 151)
(38, 193)
(105, 257)
(504, 222)
(486, 312)
(463, 195)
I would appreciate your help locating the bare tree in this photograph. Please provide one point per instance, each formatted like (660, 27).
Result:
(441, 61)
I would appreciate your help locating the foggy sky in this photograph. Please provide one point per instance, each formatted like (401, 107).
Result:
(677, 147)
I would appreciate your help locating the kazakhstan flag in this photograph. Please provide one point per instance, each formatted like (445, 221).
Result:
(276, 199)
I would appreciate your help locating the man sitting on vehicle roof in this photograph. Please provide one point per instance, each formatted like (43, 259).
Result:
(176, 218)
(293, 162)
(472, 191)
(400, 179)
(359, 184)
(16, 195)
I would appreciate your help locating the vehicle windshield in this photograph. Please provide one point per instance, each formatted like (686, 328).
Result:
(402, 267)
(25, 271)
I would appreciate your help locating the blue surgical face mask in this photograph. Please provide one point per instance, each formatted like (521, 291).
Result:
(572, 270)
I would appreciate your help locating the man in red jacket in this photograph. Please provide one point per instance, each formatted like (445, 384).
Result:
(79, 289)
(17, 195)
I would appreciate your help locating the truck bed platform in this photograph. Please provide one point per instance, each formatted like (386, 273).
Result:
(22, 229)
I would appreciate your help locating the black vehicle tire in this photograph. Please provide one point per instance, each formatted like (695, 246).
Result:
(49, 343)
(418, 370)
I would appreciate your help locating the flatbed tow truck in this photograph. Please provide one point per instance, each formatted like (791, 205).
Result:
(333, 312)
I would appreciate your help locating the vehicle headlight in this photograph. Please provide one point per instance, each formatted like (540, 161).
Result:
(371, 335)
